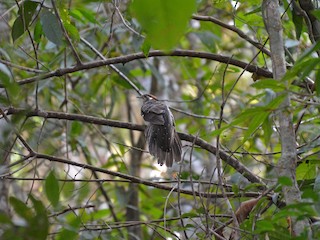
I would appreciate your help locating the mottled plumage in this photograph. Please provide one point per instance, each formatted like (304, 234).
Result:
(162, 138)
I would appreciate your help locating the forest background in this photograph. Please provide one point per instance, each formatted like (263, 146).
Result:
(242, 79)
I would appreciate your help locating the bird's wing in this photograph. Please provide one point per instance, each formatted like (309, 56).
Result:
(154, 113)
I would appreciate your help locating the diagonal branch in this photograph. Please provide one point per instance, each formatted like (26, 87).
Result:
(234, 29)
(229, 159)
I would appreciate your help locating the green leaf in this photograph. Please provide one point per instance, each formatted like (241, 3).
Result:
(146, 47)
(255, 123)
(267, 130)
(285, 181)
(5, 219)
(309, 51)
(52, 188)
(25, 13)
(256, 10)
(309, 193)
(39, 227)
(255, 116)
(164, 21)
(83, 14)
(51, 27)
(76, 129)
(89, 15)
(235, 189)
(37, 32)
(208, 39)
(306, 170)
(17, 29)
(75, 13)
(262, 115)
(70, 228)
(273, 84)
(100, 214)
(298, 23)
(310, 65)
(68, 189)
(72, 31)
(27, 10)
(317, 82)
(264, 226)
(316, 13)
(21, 208)
(6, 80)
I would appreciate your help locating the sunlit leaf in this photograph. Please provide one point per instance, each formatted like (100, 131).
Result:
(273, 84)
(72, 31)
(305, 171)
(146, 47)
(37, 32)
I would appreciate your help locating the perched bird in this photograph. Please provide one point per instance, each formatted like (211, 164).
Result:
(162, 138)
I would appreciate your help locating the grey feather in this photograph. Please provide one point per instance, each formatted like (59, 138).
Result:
(162, 138)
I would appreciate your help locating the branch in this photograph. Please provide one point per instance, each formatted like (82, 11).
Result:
(27, 69)
(142, 181)
(234, 29)
(233, 162)
(156, 53)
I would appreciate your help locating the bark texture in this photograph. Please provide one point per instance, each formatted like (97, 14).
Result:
(287, 164)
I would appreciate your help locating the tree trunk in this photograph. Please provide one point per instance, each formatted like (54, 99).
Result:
(287, 164)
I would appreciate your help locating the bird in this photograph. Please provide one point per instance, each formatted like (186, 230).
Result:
(161, 136)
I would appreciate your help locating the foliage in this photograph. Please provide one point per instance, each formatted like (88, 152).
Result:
(71, 134)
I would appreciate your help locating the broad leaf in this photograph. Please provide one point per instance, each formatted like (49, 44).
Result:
(39, 227)
(51, 27)
(298, 23)
(52, 189)
(306, 170)
(25, 13)
(273, 84)
(164, 21)
(7, 81)
(21, 208)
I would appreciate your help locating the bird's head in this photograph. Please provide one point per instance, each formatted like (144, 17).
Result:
(147, 97)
